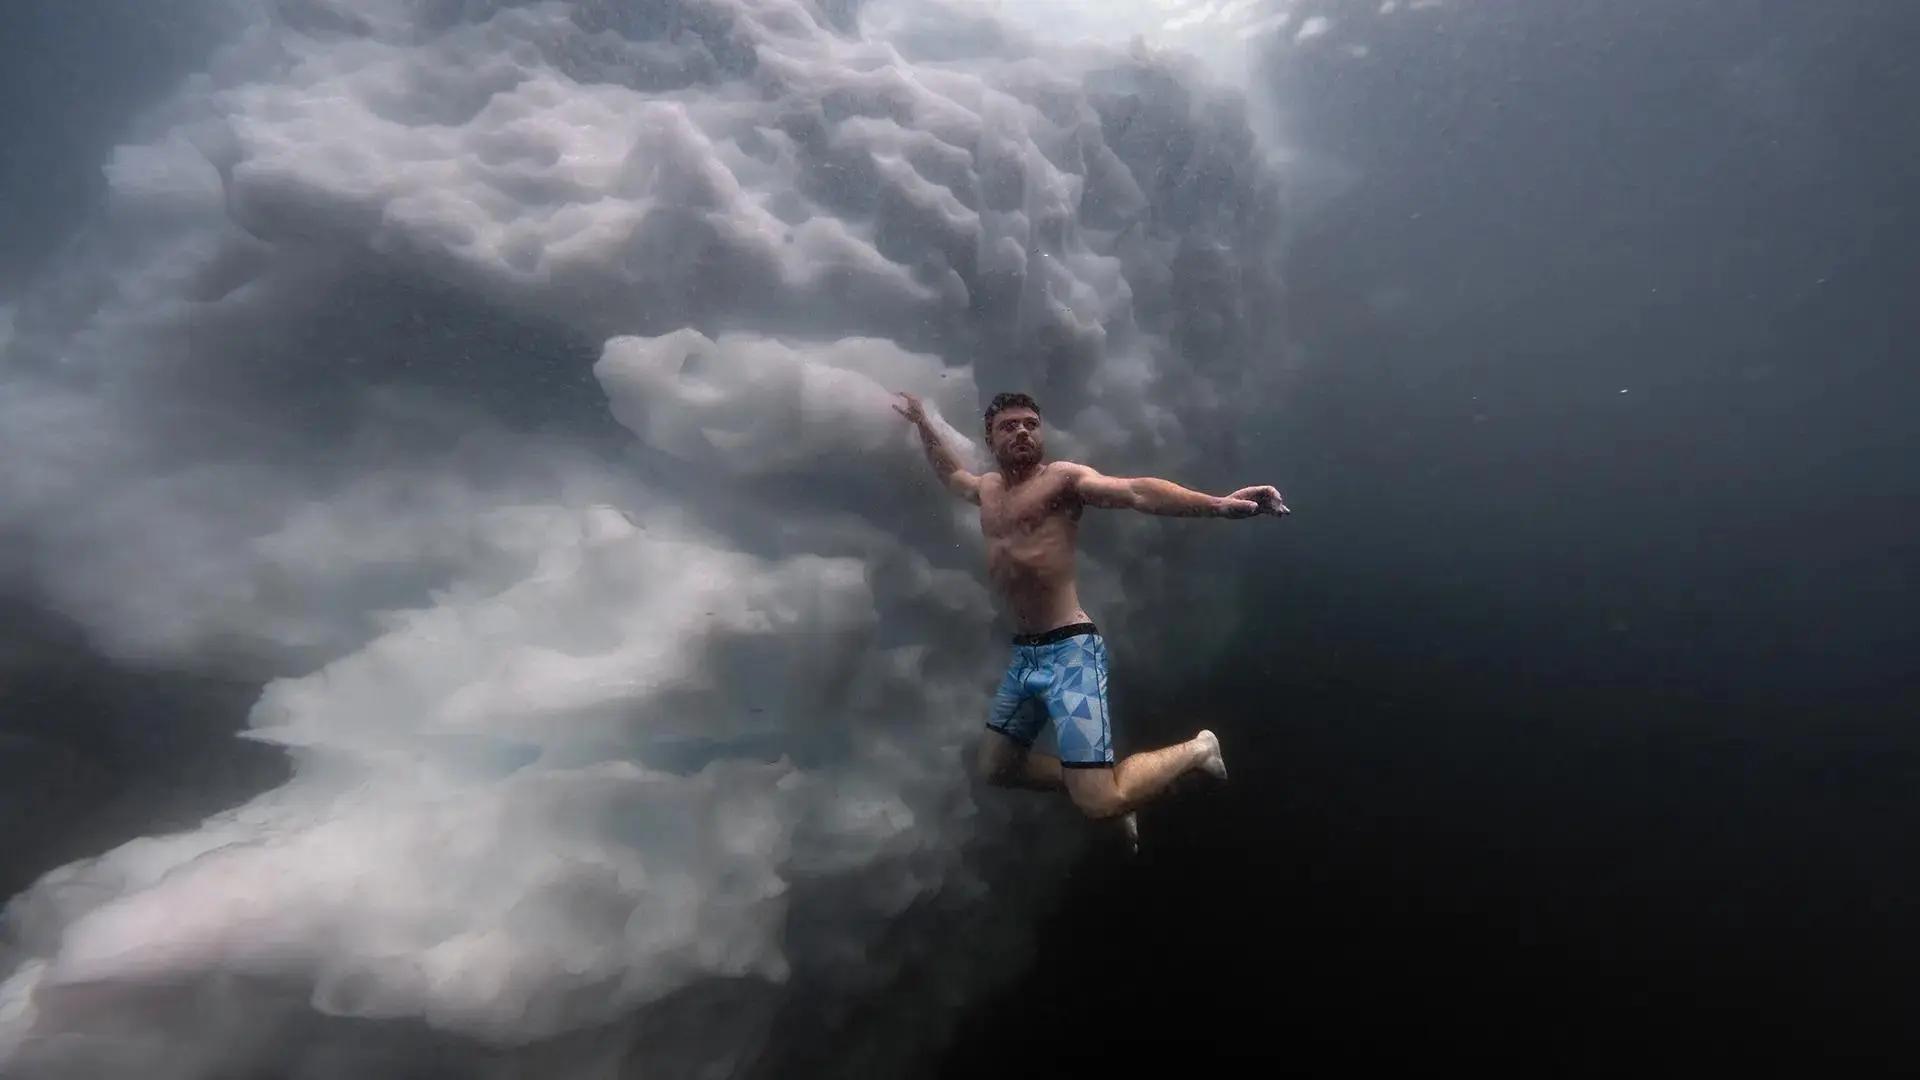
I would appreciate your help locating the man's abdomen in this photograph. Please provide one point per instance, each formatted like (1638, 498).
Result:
(1037, 604)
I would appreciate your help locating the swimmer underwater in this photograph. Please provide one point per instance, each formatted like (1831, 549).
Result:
(1030, 516)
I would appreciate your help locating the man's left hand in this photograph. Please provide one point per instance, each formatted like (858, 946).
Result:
(1252, 501)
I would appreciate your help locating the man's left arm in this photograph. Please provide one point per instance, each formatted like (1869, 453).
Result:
(1151, 495)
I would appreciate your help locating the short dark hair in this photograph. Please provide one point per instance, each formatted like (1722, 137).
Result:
(1010, 401)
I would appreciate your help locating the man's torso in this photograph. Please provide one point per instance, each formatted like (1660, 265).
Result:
(1031, 530)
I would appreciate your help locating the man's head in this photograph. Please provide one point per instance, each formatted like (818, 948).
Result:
(1013, 431)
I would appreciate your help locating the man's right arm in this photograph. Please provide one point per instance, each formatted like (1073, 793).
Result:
(946, 464)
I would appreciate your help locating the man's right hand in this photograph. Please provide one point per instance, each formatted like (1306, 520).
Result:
(945, 464)
(913, 412)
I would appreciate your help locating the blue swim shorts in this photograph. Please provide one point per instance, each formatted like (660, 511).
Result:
(1058, 676)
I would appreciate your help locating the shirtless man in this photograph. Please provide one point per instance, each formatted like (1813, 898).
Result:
(1030, 516)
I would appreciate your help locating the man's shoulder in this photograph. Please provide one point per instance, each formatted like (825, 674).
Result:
(1063, 480)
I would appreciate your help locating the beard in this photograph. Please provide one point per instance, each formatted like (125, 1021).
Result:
(1016, 455)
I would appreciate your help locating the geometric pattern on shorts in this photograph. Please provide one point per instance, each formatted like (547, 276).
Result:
(1063, 682)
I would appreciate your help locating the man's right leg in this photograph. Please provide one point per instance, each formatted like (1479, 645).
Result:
(1004, 762)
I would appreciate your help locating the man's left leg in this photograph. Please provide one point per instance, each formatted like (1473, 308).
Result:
(1076, 700)
(1104, 792)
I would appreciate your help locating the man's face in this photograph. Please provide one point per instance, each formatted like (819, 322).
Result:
(1015, 437)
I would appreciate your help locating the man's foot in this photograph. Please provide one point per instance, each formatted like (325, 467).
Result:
(1211, 761)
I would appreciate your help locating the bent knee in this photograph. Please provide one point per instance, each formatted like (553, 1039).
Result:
(1100, 807)
(1095, 793)
(998, 760)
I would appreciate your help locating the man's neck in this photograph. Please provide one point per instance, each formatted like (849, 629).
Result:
(1020, 474)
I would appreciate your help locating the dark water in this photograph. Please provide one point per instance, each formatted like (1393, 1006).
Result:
(1577, 740)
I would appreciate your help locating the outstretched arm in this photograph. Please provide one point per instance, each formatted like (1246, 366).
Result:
(1154, 496)
(946, 464)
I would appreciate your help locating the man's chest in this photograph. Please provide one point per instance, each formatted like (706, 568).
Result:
(1032, 507)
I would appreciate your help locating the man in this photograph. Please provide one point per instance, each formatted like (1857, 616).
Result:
(1030, 515)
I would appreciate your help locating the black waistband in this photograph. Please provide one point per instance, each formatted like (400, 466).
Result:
(1058, 633)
